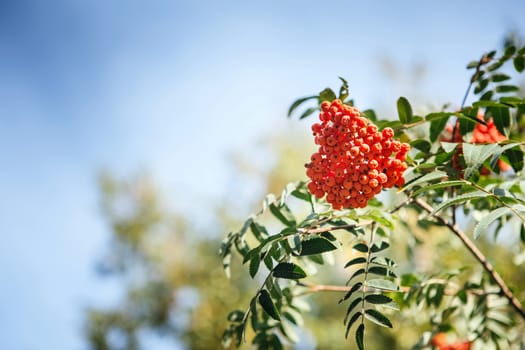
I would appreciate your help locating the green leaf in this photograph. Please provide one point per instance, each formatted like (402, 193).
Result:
(487, 96)
(486, 103)
(488, 219)
(381, 271)
(343, 90)
(352, 290)
(351, 307)
(254, 265)
(404, 110)
(377, 248)
(425, 178)
(259, 231)
(351, 322)
(359, 272)
(327, 95)
(361, 247)
(475, 156)
(512, 101)
(308, 112)
(510, 50)
(298, 102)
(519, 63)
(359, 336)
(460, 199)
(370, 114)
(438, 116)
(515, 157)
(506, 88)
(354, 261)
(289, 271)
(316, 245)
(422, 145)
(382, 284)
(438, 185)
(472, 64)
(377, 299)
(499, 77)
(482, 84)
(268, 306)
(283, 214)
(378, 318)
(495, 66)
(436, 127)
(501, 117)
(236, 316)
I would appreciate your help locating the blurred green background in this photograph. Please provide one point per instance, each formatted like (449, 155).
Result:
(135, 134)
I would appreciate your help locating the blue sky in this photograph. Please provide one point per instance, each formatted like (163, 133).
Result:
(173, 88)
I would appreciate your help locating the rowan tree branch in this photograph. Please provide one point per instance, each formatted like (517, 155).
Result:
(505, 291)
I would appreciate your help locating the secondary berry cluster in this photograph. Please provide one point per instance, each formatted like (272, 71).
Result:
(355, 160)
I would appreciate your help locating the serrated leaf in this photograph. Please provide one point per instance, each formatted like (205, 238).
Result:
(359, 336)
(378, 318)
(475, 156)
(289, 271)
(445, 184)
(404, 110)
(354, 261)
(316, 245)
(382, 284)
(361, 247)
(268, 306)
(488, 219)
(460, 199)
(425, 178)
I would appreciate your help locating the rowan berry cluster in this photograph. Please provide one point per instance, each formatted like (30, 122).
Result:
(440, 342)
(355, 160)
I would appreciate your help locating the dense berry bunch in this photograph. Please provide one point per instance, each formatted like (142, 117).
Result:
(355, 160)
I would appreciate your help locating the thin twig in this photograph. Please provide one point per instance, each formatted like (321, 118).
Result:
(505, 291)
